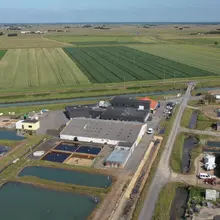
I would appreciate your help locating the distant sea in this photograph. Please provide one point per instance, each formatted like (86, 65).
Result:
(119, 23)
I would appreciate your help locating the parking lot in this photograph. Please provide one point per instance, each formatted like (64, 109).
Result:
(51, 122)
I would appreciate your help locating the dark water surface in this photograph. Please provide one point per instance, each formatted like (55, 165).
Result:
(189, 144)
(179, 204)
(20, 201)
(68, 176)
(10, 135)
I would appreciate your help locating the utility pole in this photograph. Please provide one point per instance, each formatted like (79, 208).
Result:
(164, 75)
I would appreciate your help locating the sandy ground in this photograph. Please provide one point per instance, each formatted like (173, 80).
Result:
(79, 162)
(112, 198)
(210, 111)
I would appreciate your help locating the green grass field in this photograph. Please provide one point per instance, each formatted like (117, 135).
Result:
(101, 39)
(21, 68)
(115, 64)
(2, 53)
(205, 58)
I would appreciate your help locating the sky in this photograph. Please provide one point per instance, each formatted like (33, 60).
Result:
(40, 11)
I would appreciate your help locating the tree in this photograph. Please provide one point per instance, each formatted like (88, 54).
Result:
(1, 33)
(216, 43)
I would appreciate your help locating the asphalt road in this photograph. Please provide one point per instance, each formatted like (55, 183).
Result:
(210, 133)
(163, 172)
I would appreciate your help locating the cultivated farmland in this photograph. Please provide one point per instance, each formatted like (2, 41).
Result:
(21, 68)
(118, 64)
(2, 53)
(206, 58)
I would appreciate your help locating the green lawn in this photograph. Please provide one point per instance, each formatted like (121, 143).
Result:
(205, 58)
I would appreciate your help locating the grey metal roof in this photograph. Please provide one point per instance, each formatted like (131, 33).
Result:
(30, 121)
(103, 129)
(125, 112)
(125, 144)
(118, 156)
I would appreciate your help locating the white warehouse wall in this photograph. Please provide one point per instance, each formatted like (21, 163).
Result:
(88, 139)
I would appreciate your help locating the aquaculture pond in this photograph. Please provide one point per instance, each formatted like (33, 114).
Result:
(213, 144)
(193, 119)
(56, 157)
(10, 135)
(67, 147)
(89, 150)
(26, 202)
(179, 204)
(189, 144)
(68, 176)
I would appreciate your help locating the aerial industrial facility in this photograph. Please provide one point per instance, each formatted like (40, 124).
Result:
(120, 122)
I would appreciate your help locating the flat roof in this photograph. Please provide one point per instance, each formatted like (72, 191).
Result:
(125, 112)
(118, 156)
(125, 144)
(30, 121)
(103, 129)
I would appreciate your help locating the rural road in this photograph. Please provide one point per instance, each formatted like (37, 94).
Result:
(163, 173)
(192, 131)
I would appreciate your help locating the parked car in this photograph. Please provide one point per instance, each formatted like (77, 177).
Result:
(150, 131)
(206, 176)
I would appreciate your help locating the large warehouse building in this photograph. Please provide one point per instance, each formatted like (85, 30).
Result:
(124, 135)
(121, 108)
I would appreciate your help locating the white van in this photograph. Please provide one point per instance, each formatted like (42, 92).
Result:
(206, 176)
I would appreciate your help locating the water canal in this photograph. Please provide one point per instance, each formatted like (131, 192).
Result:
(27, 202)
(179, 204)
(189, 144)
(68, 176)
(57, 101)
(10, 135)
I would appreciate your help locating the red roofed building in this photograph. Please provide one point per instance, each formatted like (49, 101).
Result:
(153, 103)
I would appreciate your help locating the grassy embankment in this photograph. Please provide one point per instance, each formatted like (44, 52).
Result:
(203, 122)
(167, 124)
(167, 195)
(176, 156)
(95, 90)
(164, 202)
(20, 148)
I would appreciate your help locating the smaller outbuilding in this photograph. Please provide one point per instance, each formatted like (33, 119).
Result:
(28, 125)
(153, 104)
(118, 158)
(211, 194)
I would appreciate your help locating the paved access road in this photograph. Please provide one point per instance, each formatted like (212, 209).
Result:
(163, 173)
(210, 133)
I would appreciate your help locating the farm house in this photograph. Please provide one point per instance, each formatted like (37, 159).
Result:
(103, 131)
